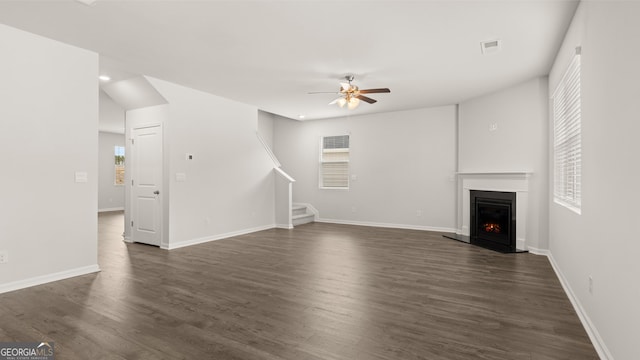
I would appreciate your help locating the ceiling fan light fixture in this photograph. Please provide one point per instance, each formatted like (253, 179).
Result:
(350, 95)
(353, 103)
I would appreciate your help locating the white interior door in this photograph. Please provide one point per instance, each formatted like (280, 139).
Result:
(146, 181)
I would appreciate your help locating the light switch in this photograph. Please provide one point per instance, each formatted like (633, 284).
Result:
(354, 177)
(81, 177)
(181, 177)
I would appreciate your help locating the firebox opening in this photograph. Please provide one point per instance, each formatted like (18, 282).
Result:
(493, 216)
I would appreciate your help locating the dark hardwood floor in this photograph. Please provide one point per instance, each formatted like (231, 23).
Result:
(320, 291)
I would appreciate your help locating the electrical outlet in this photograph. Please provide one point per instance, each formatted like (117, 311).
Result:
(4, 257)
(590, 285)
(418, 212)
(353, 209)
(493, 126)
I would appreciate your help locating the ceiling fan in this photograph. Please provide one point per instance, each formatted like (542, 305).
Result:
(350, 95)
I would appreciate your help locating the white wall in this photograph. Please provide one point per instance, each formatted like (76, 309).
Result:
(603, 241)
(111, 125)
(111, 118)
(133, 93)
(265, 127)
(229, 187)
(48, 132)
(519, 143)
(404, 163)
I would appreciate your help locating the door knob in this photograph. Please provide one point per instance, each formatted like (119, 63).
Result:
(156, 192)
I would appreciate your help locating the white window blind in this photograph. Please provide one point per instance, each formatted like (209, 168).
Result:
(334, 162)
(566, 138)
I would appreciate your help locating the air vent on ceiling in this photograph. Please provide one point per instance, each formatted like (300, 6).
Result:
(87, 2)
(490, 46)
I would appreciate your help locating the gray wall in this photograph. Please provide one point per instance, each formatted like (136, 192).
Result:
(111, 115)
(111, 126)
(404, 163)
(110, 195)
(602, 242)
(519, 143)
(265, 127)
(48, 133)
(229, 187)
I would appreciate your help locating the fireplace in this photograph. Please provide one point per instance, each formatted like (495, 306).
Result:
(493, 220)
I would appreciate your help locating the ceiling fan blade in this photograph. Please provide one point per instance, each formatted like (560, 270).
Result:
(322, 92)
(372, 91)
(335, 101)
(366, 99)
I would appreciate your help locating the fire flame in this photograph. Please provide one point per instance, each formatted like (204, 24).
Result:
(492, 228)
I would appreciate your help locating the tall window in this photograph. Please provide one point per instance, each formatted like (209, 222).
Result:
(567, 154)
(119, 164)
(334, 162)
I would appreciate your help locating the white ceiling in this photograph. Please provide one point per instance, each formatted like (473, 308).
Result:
(270, 54)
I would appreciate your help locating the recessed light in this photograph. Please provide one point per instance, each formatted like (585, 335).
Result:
(104, 77)
(301, 116)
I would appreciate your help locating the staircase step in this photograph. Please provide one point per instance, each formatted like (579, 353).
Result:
(298, 210)
(302, 219)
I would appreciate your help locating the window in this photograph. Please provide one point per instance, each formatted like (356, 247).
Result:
(119, 164)
(566, 138)
(334, 162)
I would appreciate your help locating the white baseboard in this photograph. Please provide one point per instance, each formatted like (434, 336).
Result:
(387, 225)
(43, 279)
(594, 336)
(202, 240)
(536, 251)
(284, 226)
(111, 209)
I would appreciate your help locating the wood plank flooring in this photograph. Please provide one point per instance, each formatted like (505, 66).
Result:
(319, 291)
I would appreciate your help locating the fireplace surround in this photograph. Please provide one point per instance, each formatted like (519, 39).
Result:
(517, 182)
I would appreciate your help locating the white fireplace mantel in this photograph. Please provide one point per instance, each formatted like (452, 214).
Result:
(508, 181)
